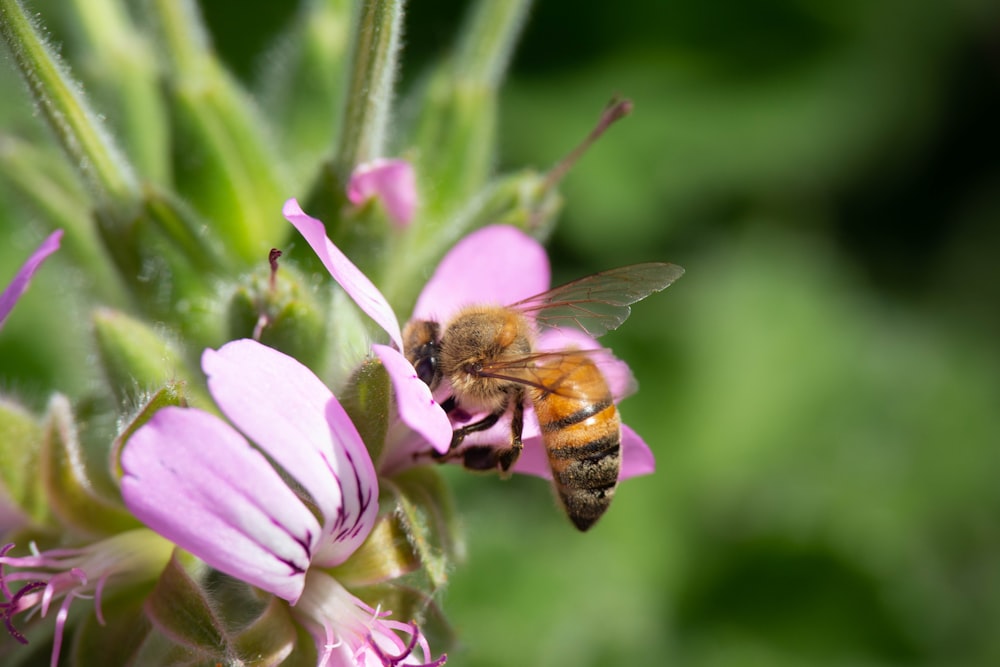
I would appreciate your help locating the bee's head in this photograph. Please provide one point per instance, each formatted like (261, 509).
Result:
(422, 347)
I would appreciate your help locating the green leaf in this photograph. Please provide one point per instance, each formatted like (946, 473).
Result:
(225, 162)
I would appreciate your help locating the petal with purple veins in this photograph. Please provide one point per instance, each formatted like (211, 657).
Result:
(193, 479)
(285, 409)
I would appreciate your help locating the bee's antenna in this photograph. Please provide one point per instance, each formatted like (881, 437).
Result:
(616, 109)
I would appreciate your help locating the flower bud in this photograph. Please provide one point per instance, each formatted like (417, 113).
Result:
(135, 357)
(277, 309)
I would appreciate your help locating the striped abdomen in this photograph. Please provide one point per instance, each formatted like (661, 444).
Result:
(582, 435)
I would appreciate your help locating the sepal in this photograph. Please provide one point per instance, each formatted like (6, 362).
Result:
(423, 503)
(117, 638)
(367, 399)
(170, 395)
(181, 611)
(135, 357)
(386, 555)
(74, 493)
(231, 625)
(22, 497)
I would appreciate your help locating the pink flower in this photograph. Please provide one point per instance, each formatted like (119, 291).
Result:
(20, 282)
(494, 265)
(69, 574)
(391, 182)
(197, 481)
(416, 406)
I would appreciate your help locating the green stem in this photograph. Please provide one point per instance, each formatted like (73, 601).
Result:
(185, 41)
(369, 92)
(76, 126)
(488, 42)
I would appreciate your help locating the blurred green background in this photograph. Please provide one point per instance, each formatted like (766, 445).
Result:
(821, 389)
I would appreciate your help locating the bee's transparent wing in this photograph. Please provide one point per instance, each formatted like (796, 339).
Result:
(551, 371)
(600, 302)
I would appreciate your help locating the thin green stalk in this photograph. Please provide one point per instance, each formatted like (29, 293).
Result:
(369, 92)
(63, 106)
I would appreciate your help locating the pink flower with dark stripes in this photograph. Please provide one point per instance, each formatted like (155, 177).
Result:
(197, 480)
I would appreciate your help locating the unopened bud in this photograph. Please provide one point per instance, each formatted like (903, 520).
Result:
(274, 306)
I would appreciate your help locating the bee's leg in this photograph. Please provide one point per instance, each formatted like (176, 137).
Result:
(450, 406)
(508, 457)
(486, 422)
(485, 457)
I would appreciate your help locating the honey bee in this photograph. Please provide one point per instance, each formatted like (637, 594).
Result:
(488, 355)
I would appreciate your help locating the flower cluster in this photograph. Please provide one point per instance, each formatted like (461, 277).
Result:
(252, 475)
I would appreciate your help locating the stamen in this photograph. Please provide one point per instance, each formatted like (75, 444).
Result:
(390, 660)
(8, 609)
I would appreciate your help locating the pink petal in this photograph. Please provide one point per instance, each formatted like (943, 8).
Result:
(637, 458)
(497, 264)
(20, 282)
(392, 182)
(356, 284)
(190, 477)
(417, 407)
(289, 413)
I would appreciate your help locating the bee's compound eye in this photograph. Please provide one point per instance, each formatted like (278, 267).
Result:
(426, 370)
